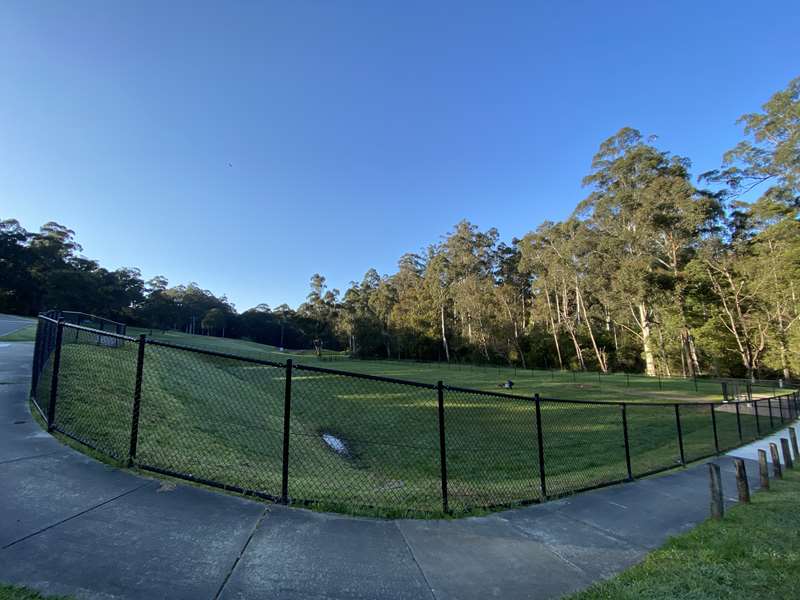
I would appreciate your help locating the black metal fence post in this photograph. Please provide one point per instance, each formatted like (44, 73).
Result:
(758, 423)
(714, 426)
(627, 444)
(780, 408)
(739, 422)
(37, 348)
(769, 407)
(287, 414)
(51, 408)
(680, 433)
(540, 442)
(442, 445)
(137, 401)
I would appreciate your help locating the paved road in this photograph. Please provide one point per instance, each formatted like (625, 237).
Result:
(10, 323)
(71, 525)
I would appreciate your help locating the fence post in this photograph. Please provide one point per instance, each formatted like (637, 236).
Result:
(51, 408)
(540, 442)
(137, 400)
(442, 445)
(627, 444)
(37, 347)
(742, 485)
(739, 423)
(769, 408)
(680, 433)
(758, 423)
(715, 487)
(763, 471)
(776, 461)
(714, 426)
(287, 413)
(787, 454)
(780, 408)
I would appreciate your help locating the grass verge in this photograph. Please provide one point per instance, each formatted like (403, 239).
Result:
(752, 553)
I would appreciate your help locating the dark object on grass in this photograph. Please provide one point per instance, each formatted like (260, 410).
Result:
(507, 385)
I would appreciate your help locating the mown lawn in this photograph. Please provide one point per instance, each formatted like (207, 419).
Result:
(221, 419)
(752, 553)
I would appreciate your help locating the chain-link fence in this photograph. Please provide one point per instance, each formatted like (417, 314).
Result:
(360, 443)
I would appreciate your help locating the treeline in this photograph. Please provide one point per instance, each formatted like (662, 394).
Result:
(650, 273)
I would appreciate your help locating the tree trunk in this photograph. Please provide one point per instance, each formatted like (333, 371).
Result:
(444, 337)
(553, 327)
(647, 342)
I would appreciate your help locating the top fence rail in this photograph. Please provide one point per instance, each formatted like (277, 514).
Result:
(354, 442)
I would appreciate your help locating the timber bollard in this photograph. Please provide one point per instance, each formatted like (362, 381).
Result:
(776, 461)
(787, 454)
(742, 485)
(793, 437)
(763, 471)
(715, 487)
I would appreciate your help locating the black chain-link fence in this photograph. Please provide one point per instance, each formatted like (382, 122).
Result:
(360, 443)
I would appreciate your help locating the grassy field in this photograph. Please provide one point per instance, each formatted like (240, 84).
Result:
(221, 419)
(752, 553)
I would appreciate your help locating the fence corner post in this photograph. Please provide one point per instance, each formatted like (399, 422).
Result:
(137, 400)
(442, 445)
(540, 444)
(287, 415)
(51, 407)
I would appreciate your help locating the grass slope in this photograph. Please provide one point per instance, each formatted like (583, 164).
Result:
(752, 553)
(221, 419)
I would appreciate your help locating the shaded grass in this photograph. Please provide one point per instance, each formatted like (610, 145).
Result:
(14, 592)
(221, 419)
(752, 553)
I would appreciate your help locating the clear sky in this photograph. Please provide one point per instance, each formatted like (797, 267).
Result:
(247, 145)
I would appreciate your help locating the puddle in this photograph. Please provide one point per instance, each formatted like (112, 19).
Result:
(335, 444)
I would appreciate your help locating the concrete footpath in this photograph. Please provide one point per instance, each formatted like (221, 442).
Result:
(71, 525)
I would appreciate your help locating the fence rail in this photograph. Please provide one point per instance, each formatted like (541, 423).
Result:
(303, 434)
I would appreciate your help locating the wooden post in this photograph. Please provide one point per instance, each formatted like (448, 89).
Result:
(763, 471)
(742, 485)
(776, 461)
(715, 487)
(787, 454)
(793, 437)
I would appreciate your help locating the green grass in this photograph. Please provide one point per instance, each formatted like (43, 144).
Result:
(221, 419)
(26, 334)
(752, 553)
(13, 592)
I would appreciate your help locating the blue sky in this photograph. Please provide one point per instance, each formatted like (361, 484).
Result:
(354, 131)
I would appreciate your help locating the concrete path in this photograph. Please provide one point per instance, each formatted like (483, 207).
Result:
(71, 525)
